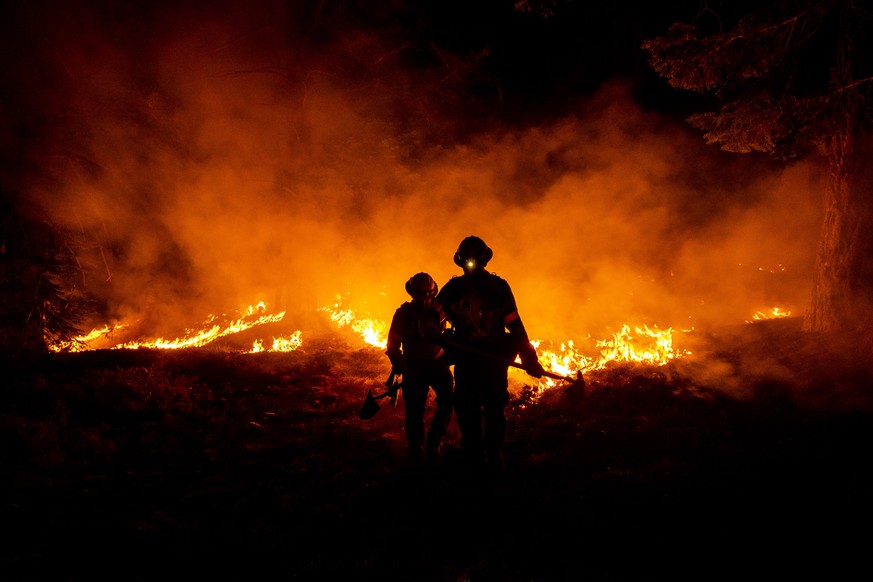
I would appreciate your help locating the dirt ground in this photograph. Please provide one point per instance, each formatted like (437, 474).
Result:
(750, 459)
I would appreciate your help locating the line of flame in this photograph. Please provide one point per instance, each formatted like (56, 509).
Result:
(200, 338)
(648, 345)
(642, 344)
(775, 313)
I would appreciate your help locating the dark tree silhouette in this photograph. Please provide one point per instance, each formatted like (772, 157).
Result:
(793, 78)
(42, 300)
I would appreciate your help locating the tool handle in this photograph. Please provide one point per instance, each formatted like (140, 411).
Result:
(554, 376)
(507, 361)
(546, 373)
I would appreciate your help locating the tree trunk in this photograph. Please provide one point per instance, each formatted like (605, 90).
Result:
(841, 284)
(832, 296)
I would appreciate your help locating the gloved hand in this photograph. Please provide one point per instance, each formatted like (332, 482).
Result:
(535, 369)
(398, 364)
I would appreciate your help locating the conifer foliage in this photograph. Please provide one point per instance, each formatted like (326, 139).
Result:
(792, 78)
(42, 301)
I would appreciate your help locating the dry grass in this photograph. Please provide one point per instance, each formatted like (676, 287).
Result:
(137, 465)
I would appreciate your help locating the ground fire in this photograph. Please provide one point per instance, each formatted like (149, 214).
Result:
(640, 343)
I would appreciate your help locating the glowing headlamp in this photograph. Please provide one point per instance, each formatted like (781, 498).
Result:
(470, 264)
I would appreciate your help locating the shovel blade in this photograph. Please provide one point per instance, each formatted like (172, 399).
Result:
(370, 406)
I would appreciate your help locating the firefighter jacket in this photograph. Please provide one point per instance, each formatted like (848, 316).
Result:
(482, 312)
(413, 328)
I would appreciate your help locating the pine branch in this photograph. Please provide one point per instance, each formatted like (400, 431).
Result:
(756, 48)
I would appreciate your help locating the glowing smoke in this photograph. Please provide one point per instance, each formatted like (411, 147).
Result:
(217, 159)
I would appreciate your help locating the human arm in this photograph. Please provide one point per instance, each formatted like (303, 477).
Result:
(526, 351)
(394, 343)
(519, 338)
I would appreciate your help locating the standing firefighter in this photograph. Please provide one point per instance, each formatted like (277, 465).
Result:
(488, 334)
(422, 364)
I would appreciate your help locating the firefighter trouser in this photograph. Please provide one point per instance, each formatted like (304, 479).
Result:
(481, 395)
(417, 380)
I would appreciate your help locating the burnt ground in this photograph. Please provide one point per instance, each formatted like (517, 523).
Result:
(750, 459)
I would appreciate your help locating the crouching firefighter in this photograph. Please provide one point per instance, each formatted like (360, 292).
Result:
(422, 364)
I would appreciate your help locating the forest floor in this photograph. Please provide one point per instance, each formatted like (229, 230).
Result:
(750, 458)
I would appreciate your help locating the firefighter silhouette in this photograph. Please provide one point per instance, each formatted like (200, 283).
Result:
(487, 333)
(422, 363)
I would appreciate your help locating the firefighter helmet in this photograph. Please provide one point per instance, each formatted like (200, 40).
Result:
(472, 253)
(422, 286)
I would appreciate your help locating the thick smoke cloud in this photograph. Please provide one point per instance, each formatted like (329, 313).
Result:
(216, 157)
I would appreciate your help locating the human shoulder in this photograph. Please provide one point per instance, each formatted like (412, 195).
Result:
(498, 279)
(403, 309)
(495, 281)
(455, 279)
(450, 285)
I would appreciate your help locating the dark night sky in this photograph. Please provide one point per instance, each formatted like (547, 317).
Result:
(221, 153)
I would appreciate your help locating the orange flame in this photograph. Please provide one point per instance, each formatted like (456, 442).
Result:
(208, 333)
(775, 313)
(373, 331)
(650, 346)
(647, 345)
(83, 342)
(280, 344)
